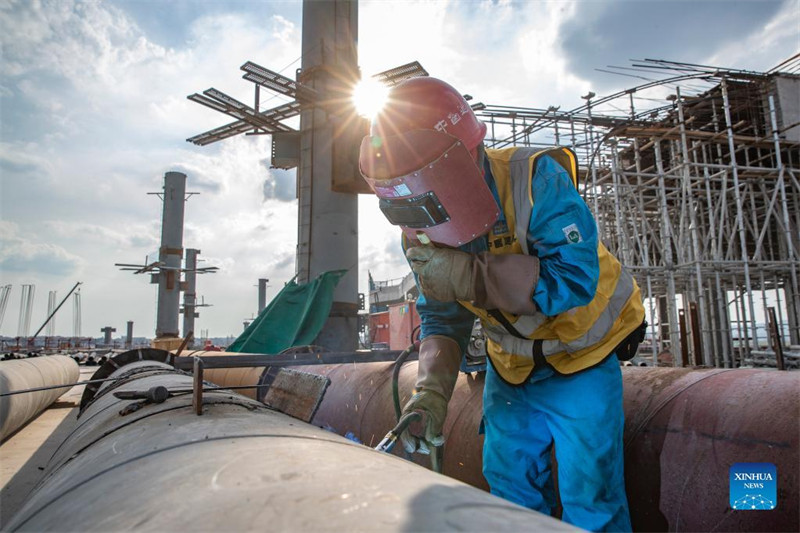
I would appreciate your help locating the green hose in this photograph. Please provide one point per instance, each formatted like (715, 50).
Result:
(398, 411)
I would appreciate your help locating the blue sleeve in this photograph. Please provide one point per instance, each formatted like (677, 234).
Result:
(450, 319)
(562, 233)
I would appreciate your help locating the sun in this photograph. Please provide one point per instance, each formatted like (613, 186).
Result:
(369, 96)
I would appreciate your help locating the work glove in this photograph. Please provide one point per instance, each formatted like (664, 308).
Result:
(444, 274)
(433, 407)
(439, 362)
(504, 282)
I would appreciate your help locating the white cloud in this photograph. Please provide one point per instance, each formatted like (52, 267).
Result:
(379, 246)
(95, 56)
(142, 235)
(28, 258)
(766, 46)
(109, 118)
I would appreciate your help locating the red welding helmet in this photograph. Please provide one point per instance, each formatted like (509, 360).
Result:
(429, 185)
(420, 162)
(426, 103)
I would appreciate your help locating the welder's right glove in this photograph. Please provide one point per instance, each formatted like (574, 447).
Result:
(439, 362)
(489, 281)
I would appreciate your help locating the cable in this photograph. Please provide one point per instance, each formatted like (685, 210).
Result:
(51, 387)
(415, 331)
(404, 420)
(396, 379)
(175, 391)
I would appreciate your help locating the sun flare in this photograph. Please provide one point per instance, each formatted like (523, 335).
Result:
(369, 96)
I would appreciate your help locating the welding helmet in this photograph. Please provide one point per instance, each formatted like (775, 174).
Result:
(420, 160)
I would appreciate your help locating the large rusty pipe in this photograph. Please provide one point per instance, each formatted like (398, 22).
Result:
(23, 374)
(239, 466)
(359, 402)
(684, 429)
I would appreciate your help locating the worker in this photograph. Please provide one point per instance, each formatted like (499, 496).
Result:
(504, 235)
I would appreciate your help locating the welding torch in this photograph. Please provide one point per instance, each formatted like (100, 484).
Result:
(388, 442)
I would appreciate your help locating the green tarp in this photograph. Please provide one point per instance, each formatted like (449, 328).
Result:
(293, 318)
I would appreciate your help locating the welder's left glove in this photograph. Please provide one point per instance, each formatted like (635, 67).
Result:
(504, 282)
(439, 361)
(444, 274)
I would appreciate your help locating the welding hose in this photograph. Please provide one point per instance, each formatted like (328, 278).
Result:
(398, 363)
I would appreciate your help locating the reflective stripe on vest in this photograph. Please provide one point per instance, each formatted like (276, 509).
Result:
(578, 338)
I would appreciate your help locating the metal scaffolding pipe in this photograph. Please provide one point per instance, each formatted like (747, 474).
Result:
(637, 158)
(239, 467)
(666, 244)
(753, 344)
(23, 374)
(695, 239)
(787, 232)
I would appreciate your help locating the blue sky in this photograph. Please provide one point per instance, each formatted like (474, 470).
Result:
(94, 112)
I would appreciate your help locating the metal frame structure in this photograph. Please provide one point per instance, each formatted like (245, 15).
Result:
(51, 306)
(693, 179)
(5, 296)
(25, 308)
(324, 149)
(76, 315)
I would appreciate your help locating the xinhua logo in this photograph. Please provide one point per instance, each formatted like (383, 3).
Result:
(753, 486)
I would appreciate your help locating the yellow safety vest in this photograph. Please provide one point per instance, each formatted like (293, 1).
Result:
(578, 338)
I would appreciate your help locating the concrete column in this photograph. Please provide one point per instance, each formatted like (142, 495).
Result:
(328, 220)
(170, 255)
(190, 292)
(107, 331)
(262, 294)
(129, 335)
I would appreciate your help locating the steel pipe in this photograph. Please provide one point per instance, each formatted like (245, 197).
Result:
(240, 466)
(23, 374)
(684, 429)
(359, 402)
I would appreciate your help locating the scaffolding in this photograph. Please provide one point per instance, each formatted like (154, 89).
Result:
(693, 179)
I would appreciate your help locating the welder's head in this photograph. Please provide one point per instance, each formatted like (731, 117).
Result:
(421, 159)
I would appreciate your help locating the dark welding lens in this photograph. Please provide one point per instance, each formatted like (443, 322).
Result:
(422, 211)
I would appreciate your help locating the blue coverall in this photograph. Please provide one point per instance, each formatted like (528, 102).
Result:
(581, 413)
